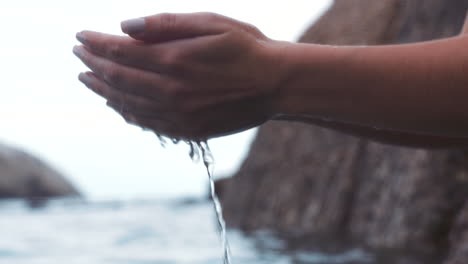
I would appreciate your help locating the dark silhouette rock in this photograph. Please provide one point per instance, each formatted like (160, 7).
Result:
(25, 176)
(459, 237)
(301, 179)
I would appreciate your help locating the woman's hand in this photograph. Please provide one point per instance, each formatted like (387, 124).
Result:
(188, 76)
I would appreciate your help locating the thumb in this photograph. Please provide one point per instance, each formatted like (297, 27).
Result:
(168, 26)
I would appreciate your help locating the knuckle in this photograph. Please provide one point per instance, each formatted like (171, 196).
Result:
(171, 60)
(210, 16)
(252, 29)
(116, 51)
(113, 75)
(166, 21)
(166, 59)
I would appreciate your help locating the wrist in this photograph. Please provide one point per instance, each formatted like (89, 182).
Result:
(278, 51)
(314, 81)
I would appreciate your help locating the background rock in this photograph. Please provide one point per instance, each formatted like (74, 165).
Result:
(25, 176)
(301, 179)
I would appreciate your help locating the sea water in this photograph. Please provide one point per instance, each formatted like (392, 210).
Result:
(140, 232)
(143, 232)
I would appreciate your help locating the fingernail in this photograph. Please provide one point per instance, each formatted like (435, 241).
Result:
(133, 26)
(85, 78)
(78, 51)
(80, 36)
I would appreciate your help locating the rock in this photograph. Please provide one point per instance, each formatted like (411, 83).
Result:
(25, 176)
(459, 238)
(301, 179)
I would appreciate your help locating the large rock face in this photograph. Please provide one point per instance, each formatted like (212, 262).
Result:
(24, 176)
(307, 180)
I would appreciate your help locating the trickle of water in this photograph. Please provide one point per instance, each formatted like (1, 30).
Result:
(200, 149)
(208, 161)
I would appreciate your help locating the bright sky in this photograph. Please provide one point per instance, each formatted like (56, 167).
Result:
(46, 111)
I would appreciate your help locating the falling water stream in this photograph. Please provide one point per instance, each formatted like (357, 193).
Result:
(200, 149)
(208, 161)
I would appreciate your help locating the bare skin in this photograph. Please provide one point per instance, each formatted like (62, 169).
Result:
(197, 76)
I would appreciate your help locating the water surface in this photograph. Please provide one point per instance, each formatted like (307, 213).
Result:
(137, 232)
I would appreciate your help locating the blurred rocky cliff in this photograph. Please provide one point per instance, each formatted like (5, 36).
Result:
(301, 179)
(25, 176)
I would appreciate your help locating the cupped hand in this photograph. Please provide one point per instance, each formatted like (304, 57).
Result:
(187, 76)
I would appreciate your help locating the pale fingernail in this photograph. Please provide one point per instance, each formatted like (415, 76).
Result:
(78, 51)
(81, 37)
(85, 78)
(133, 26)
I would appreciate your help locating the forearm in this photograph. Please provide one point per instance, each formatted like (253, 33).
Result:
(414, 89)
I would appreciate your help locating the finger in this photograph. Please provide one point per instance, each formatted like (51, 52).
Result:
(123, 112)
(131, 120)
(120, 49)
(124, 78)
(167, 26)
(158, 125)
(134, 103)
